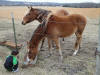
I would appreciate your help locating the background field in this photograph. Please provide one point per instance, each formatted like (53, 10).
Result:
(82, 64)
(20, 11)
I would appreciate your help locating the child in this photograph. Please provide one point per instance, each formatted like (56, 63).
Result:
(11, 63)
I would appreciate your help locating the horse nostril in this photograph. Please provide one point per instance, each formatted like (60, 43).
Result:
(23, 23)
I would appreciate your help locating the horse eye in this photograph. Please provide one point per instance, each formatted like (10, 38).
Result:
(29, 14)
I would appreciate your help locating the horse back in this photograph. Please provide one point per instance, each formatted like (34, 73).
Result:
(66, 25)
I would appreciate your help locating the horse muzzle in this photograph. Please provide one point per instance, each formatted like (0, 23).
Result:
(23, 23)
(28, 61)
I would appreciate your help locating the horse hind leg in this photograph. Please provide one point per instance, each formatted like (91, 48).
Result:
(78, 34)
(63, 40)
(77, 44)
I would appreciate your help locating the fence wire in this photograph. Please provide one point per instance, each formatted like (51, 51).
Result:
(82, 64)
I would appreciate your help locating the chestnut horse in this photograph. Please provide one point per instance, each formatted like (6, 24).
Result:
(42, 14)
(60, 12)
(54, 28)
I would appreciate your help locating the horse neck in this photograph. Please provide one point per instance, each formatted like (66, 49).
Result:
(43, 16)
(40, 20)
(38, 35)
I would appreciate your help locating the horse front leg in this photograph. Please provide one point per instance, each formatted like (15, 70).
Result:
(49, 46)
(56, 40)
(77, 44)
(42, 43)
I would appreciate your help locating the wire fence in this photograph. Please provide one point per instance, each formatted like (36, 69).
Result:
(50, 21)
(82, 64)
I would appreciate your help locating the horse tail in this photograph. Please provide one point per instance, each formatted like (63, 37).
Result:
(81, 25)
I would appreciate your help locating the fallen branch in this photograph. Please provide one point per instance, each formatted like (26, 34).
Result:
(10, 44)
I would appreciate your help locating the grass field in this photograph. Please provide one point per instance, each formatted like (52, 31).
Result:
(81, 64)
(20, 11)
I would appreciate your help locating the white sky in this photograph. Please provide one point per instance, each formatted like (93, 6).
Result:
(61, 1)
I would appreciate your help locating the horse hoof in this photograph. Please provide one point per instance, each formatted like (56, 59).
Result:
(61, 60)
(48, 56)
(75, 52)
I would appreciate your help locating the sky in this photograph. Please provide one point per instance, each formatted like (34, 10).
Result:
(60, 1)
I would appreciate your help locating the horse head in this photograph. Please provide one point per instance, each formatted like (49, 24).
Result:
(31, 55)
(34, 14)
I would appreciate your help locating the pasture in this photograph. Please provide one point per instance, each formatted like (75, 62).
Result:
(81, 64)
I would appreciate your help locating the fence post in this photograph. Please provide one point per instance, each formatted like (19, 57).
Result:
(98, 54)
(14, 30)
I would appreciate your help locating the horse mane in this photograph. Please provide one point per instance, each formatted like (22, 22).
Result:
(38, 34)
(44, 17)
(42, 14)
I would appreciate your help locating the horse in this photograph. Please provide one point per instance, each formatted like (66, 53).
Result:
(55, 27)
(61, 12)
(42, 14)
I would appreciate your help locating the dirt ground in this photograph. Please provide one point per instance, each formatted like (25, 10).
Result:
(81, 64)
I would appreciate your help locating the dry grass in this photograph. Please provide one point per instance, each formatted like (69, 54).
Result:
(20, 11)
(82, 64)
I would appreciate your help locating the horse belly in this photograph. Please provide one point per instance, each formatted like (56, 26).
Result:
(61, 30)
(67, 31)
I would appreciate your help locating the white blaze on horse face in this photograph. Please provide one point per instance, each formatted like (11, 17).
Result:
(28, 57)
(27, 60)
(34, 61)
(28, 50)
(27, 12)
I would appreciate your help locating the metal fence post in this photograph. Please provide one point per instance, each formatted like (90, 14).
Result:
(98, 54)
(14, 30)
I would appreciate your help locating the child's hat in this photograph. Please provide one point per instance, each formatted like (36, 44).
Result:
(14, 52)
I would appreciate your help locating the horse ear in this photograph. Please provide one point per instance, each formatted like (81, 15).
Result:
(51, 16)
(29, 7)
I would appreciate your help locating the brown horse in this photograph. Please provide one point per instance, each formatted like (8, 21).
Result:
(41, 15)
(55, 27)
(60, 12)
